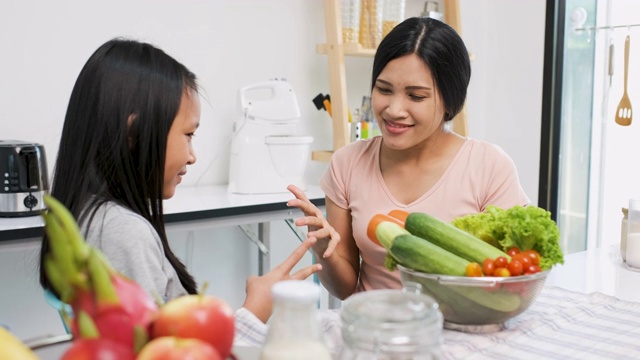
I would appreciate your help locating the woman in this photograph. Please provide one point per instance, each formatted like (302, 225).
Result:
(125, 146)
(421, 71)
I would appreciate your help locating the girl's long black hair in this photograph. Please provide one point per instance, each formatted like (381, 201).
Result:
(113, 143)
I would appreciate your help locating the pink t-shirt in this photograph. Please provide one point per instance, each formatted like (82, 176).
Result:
(480, 174)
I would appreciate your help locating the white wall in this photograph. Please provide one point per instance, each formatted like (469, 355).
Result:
(505, 94)
(230, 44)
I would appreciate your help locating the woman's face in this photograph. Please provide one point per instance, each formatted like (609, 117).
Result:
(179, 150)
(406, 103)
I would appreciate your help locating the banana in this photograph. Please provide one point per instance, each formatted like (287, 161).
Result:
(11, 348)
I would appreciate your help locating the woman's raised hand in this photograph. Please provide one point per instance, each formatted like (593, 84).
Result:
(314, 219)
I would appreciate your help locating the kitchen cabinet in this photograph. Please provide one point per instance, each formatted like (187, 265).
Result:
(336, 50)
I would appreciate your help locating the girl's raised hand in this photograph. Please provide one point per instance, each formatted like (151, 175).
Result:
(258, 288)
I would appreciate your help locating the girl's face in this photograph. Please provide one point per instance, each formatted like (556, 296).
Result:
(179, 150)
(406, 103)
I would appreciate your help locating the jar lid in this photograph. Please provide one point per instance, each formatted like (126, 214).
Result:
(625, 211)
(296, 291)
(391, 322)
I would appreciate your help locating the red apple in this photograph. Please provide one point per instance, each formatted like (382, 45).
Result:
(97, 349)
(173, 348)
(201, 317)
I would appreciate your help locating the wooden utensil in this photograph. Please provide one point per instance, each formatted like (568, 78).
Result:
(623, 112)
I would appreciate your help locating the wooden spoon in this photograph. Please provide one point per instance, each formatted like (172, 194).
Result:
(623, 112)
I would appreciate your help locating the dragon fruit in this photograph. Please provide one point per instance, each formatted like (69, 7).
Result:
(118, 307)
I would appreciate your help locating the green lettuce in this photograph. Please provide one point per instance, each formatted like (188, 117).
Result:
(524, 227)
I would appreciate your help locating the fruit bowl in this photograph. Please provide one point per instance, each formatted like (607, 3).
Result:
(476, 300)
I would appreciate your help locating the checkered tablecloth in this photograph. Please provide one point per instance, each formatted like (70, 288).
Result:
(560, 324)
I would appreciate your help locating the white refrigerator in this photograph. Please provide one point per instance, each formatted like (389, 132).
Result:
(590, 162)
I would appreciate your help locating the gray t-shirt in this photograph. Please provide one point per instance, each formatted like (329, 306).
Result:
(133, 247)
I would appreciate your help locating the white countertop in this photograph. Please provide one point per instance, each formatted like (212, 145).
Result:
(202, 198)
(196, 199)
(599, 270)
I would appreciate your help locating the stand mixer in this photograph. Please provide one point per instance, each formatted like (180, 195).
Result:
(266, 154)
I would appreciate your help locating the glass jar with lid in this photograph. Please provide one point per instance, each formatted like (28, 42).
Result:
(392, 15)
(391, 324)
(370, 23)
(350, 10)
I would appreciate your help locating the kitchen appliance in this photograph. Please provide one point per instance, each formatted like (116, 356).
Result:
(23, 178)
(266, 154)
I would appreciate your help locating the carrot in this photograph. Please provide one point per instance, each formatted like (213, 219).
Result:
(399, 214)
(375, 221)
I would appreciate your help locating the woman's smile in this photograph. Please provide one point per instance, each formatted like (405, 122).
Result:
(396, 128)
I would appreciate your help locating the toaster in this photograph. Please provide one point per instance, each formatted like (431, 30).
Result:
(23, 178)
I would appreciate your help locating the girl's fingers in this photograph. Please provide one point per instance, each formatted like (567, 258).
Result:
(306, 272)
(292, 260)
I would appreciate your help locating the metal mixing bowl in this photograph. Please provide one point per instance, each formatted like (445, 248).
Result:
(476, 300)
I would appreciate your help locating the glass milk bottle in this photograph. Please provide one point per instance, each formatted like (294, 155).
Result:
(624, 225)
(391, 324)
(294, 331)
(633, 235)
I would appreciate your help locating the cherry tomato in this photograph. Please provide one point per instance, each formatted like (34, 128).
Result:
(524, 259)
(514, 250)
(500, 262)
(515, 267)
(532, 269)
(501, 271)
(535, 257)
(474, 269)
(488, 267)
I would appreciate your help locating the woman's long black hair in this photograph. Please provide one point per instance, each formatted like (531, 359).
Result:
(441, 49)
(114, 139)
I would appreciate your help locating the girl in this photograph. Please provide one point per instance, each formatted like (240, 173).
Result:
(125, 146)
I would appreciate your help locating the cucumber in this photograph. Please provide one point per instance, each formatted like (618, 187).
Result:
(499, 301)
(451, 238)
(420, 255)
(417, 253)
(386, 231)
(495, 304)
